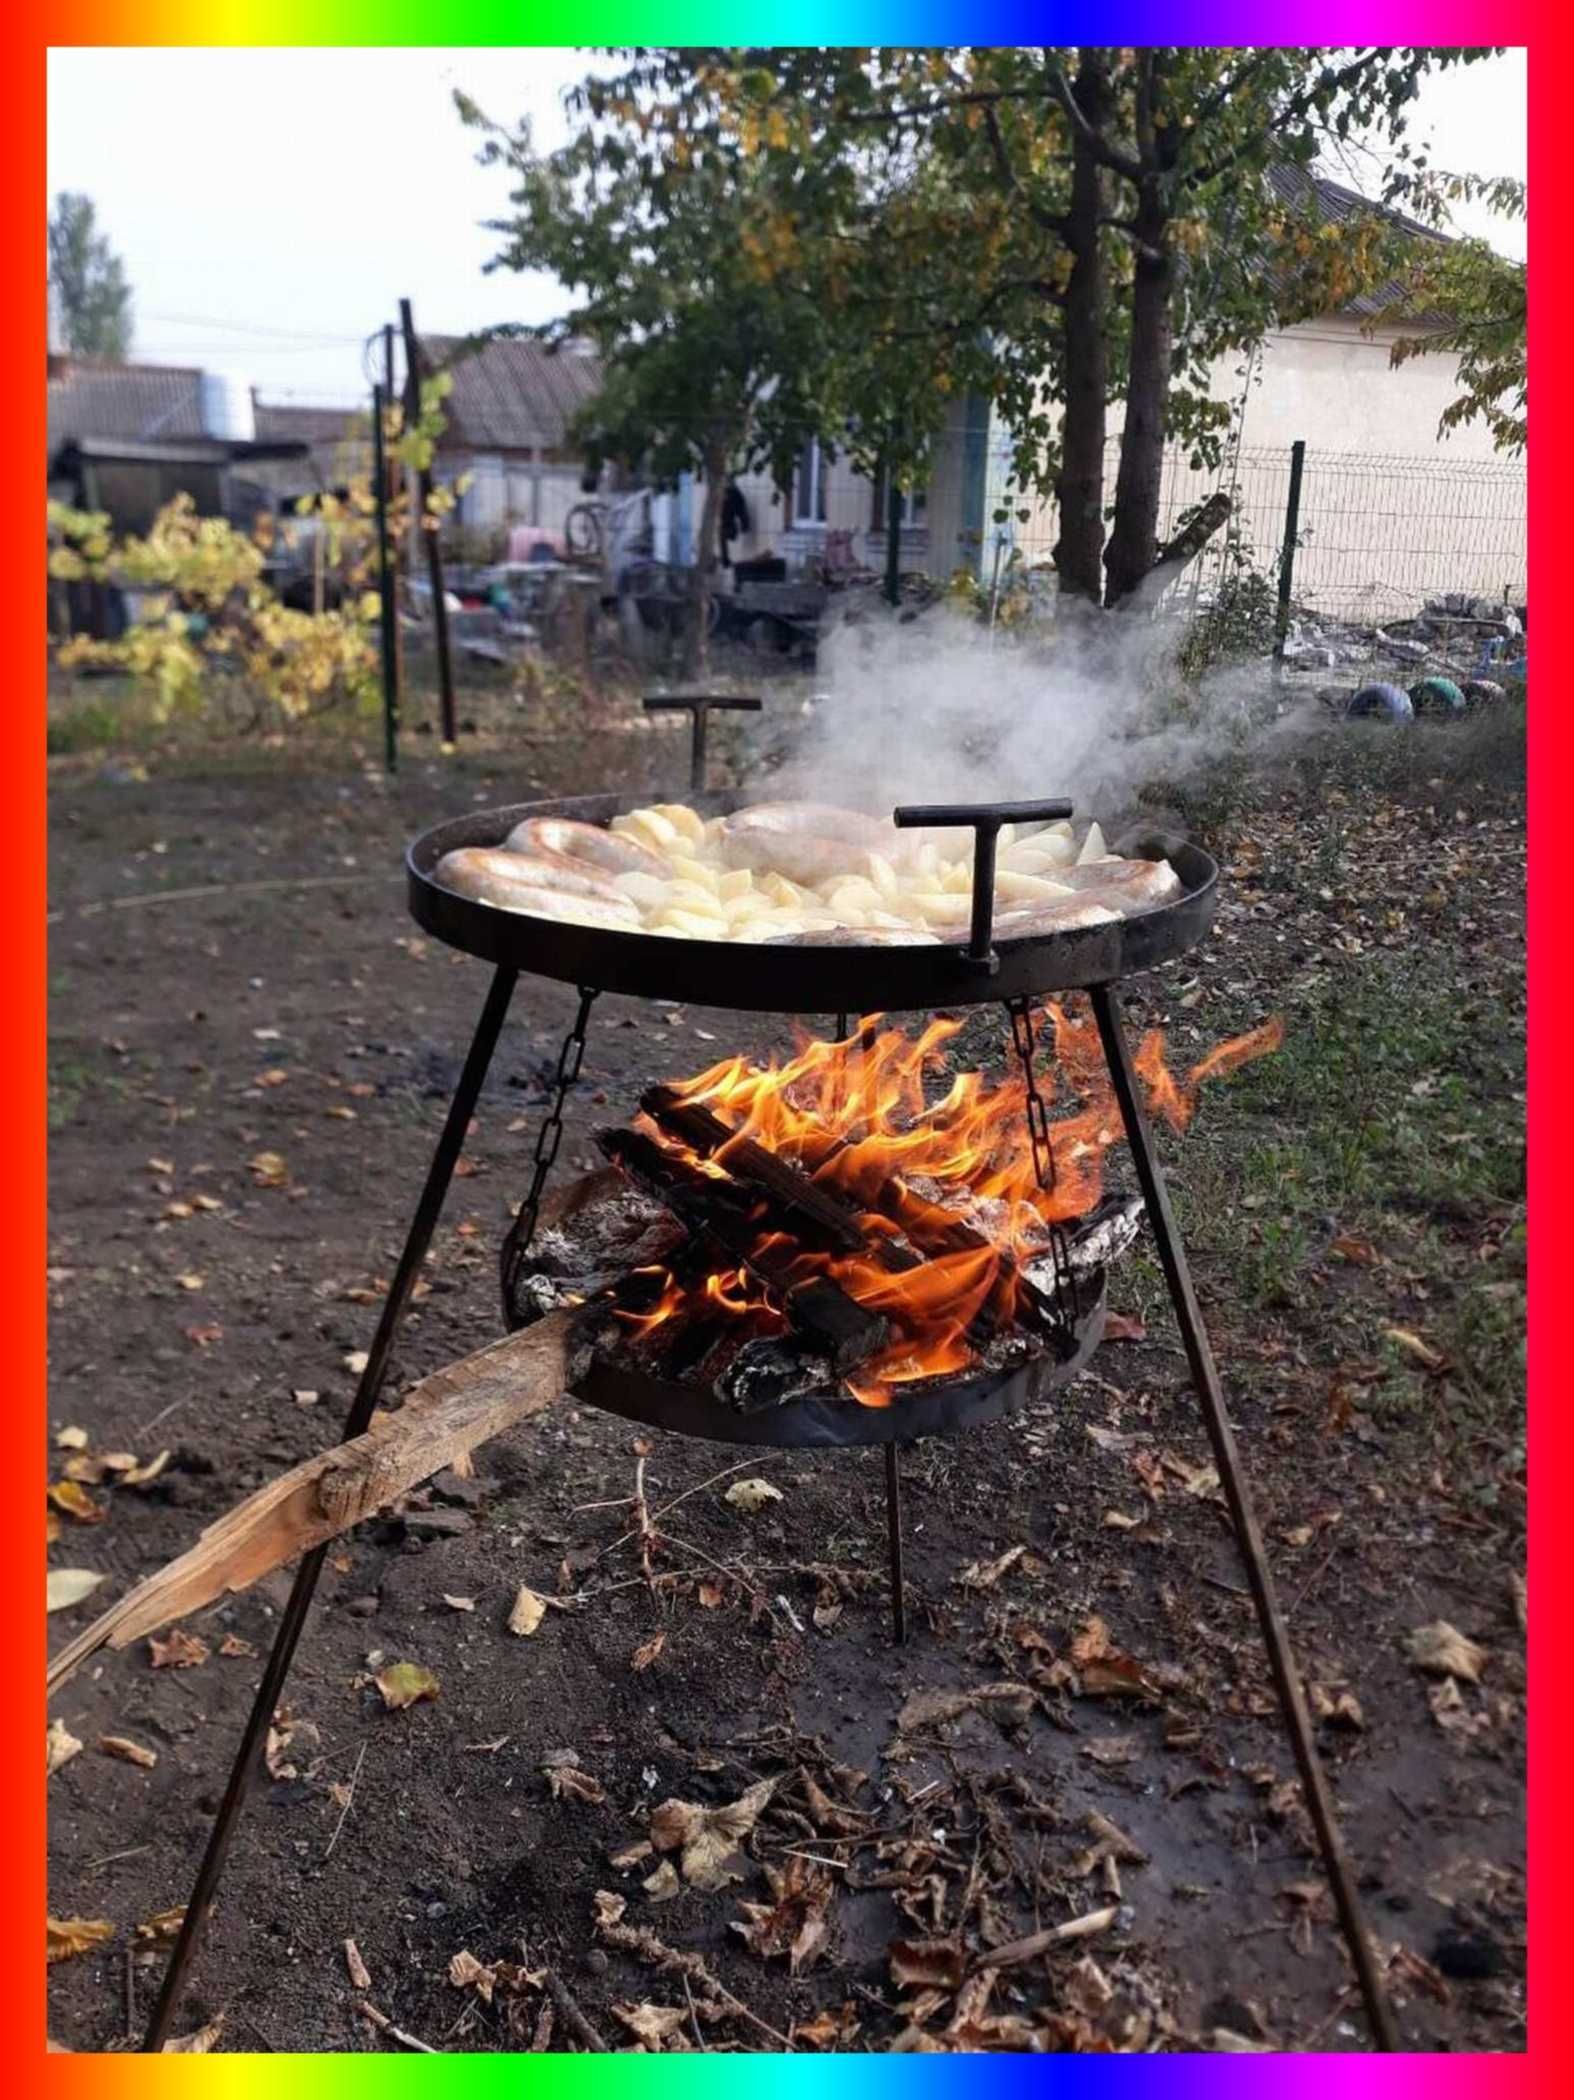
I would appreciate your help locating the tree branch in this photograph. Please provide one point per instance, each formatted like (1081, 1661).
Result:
(1109, 156)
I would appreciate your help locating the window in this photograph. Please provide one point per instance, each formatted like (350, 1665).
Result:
(915, 502)
(808, 486)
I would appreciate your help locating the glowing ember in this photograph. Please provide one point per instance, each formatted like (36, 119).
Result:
(854, 1117)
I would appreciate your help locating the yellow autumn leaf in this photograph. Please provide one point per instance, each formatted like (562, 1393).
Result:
(406, 1684)
(73, 1936)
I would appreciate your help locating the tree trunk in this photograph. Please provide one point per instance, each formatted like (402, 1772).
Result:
(1134, 539)
(707, 554)
(1079, 487)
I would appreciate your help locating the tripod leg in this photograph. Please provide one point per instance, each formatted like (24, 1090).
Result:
(282, 1653)
(893, 1533)
(1210, 1392)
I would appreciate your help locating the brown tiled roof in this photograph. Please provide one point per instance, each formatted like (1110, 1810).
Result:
(95, 398)
(512, 393)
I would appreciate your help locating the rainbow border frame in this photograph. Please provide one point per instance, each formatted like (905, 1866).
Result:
(33, 27)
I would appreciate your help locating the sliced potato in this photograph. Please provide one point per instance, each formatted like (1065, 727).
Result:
(1013, 883)
(734, 882)
(686, 822)
(1093, 846)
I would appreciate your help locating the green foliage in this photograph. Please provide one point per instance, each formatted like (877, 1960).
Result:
(89, 281)
(1239, 625)
(1480, 298)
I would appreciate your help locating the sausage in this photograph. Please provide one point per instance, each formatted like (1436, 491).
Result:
(1055, 918)
(514, 882)
(857, 937)
(559, 837)
(1139, 884)
(808, 842)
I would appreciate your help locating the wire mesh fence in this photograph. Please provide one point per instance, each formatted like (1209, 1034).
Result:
(1378, 537)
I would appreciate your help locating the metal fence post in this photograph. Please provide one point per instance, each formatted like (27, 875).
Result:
(385, 589)
(1292, 523)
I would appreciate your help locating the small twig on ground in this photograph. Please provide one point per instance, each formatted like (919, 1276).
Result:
(644, 1529)
(1037, 1943)
(131, 1997)
(694, 2018)
(398, 2034)
(573, 2019)
(108, 1858)
(349, 1803)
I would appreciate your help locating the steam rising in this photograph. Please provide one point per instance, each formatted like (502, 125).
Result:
(930, 709)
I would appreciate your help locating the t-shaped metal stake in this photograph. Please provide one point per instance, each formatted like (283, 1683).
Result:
(985, 819)
(699, 707)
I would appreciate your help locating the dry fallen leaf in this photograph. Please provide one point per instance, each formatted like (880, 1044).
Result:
(752, 1495)
(936, 1965)
(127, 1751)
(178, 1650)
(650, 2024)
(234, 1644)
(793, 1925)
(162, 1928)
(197, 2044)
(189, 1280)
(268, 1170)
(136, 1476)
(528, 1611)
(608, 1907)
(1443, 1651)
(406, 1684)
(570, 1783)
(359, 1974)
(707, 1839)
(72, 1439)
(355, 1362)
(983, 1575)
(1423, 1352)
(62, 1744)
(458, 1603)
(647, 1651)
(68, 1586)
(465, 1973)
(74, 1499)
(72, 1936)
(663, 1885)
(1124, 1327)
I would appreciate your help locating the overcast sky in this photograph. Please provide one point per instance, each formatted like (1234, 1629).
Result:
(273, 206)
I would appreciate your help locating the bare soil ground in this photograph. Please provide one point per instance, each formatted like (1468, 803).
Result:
(1355, 1219)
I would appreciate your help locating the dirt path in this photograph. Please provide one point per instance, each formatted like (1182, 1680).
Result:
(246, 1085)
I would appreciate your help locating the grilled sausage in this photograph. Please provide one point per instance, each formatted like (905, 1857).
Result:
(563, 837)
(518, 882)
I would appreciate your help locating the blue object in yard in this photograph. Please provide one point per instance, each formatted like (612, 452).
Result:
(1388, 703)
(1437, 696)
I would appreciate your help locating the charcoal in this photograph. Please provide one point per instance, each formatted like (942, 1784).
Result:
(769, 1372)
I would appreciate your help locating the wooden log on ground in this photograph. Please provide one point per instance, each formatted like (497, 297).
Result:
(445, 1415)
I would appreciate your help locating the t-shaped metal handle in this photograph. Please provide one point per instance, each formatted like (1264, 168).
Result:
(985, 819)
(698, 707)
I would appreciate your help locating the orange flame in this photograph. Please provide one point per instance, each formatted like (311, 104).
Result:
(954, 1178)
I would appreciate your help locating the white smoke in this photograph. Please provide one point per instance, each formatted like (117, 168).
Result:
(934, 709)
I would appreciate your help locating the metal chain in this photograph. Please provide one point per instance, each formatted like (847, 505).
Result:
(548, 1138)
(1021, 1015)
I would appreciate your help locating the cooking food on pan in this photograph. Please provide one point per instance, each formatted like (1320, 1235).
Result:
(801, 872)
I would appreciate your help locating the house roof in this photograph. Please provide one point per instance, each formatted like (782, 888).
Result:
(1334, 203)
(512, 393)
(96, 398)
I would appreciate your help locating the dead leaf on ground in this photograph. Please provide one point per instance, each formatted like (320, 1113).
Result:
(650, 2024)
(751, 1495)
(198, 2044)
(71, 1438)
(268, 1170)
(1425, 1355)
(707, 1839)
(647, 1651)
(528, 1611)
(794, 1925)
(69, 1937)
(458, 1603)
(1443, 1651)
(569, 1783)
(179, 1650)
(136, 1476)
(406, 1684)
(1112, 1749)
(62, 1745)
(73, 1498)
(937, 1965)
(663, 1885)
(608, 1907)
(1007, 1701)
(1452, 1715)
(233, 1644)
(1124, 1327)
(465, 1973)
(163, 1928)
(984, 1574)
(68, 1586)
(1517, 1589)
(127, 1751)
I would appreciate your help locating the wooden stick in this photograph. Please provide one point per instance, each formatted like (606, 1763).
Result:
(446, 1413)
(1038, 1943)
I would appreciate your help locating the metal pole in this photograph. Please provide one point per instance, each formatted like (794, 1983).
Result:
(385, 591)
(893, 538)
(893, 1535)
(1292, 523)
(277, 1669)
(393, 478)
(429, 539)
(1210, 1392)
